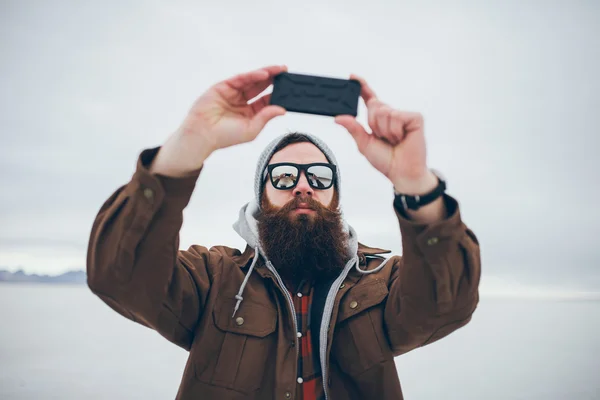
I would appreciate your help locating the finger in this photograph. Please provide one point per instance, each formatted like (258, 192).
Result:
(243, 81)
(373, 110)
(260, 103)
(275, 69)
(371, 101)
(366, 92)
(258, 122)
(256, 89)
(243, 87)
(376, 117)
(411, 118)
(411, 122)
(397, 125)
(357, 131)
(383, 124)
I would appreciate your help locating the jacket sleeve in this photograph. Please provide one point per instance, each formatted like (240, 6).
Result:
(434, 286)
(133, 260)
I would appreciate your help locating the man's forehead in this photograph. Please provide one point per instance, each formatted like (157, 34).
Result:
(300, 153)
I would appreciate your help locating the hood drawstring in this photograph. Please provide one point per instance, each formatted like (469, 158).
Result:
(355, 260)
(238, 296)
(365, 272)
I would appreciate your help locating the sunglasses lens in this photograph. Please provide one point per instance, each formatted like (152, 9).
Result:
(284, 176)
(320, 176)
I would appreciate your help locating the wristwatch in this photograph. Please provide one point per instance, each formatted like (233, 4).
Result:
(414, 202)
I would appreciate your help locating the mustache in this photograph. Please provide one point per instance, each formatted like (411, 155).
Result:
(323, 213)
(307, 202)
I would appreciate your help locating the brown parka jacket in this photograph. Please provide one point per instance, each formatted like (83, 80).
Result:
(135, 266)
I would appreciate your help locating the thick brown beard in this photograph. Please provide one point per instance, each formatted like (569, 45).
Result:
(303, 246)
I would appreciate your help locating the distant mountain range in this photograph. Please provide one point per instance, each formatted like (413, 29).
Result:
(77, 276)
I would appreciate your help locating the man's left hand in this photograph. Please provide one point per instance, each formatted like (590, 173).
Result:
(396, 146)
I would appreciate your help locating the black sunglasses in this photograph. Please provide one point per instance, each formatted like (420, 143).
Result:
(285, 176)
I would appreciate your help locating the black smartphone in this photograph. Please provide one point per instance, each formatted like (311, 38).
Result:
(317, 95)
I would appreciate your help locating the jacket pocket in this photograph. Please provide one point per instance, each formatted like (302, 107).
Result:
(359, 341)
(241, 346)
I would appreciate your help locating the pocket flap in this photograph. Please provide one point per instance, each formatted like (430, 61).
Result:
(250, 319)
(362, 297)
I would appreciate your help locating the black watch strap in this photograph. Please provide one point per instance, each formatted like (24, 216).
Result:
(412, 202)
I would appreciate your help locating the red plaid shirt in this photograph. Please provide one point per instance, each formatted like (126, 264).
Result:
(310, 385)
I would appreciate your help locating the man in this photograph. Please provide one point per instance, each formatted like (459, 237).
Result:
(305, 311)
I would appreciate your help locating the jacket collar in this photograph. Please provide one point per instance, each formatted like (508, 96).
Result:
(371, 251)
(243, 260)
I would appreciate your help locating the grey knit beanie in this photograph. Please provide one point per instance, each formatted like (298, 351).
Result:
(265, 157)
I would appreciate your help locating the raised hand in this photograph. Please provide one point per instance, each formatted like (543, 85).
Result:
(222, 117)
(396, 144)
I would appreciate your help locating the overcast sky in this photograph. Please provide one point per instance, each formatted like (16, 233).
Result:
(509, 90)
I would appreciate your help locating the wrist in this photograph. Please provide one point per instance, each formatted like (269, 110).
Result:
(172, 161)
(416, 186)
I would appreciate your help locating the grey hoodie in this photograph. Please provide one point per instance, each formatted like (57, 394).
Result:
(247, 227)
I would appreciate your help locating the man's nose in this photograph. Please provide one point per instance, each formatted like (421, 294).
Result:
(303, 188)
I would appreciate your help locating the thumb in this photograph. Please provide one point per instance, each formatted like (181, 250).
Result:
(357, 131)
(258, 122)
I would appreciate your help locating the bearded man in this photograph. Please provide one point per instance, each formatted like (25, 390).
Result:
(305, 311)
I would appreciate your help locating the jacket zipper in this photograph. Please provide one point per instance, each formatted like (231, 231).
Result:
(291, 304)
(326, 321)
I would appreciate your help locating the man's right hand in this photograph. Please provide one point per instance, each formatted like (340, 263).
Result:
(220, 118)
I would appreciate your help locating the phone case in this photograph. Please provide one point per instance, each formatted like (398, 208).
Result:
(316, 94)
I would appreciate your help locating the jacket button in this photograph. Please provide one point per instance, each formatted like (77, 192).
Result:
(239, 321)
(343, 286)
(148, 193)
(432, 241)
(353, 304)
(288, 395)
